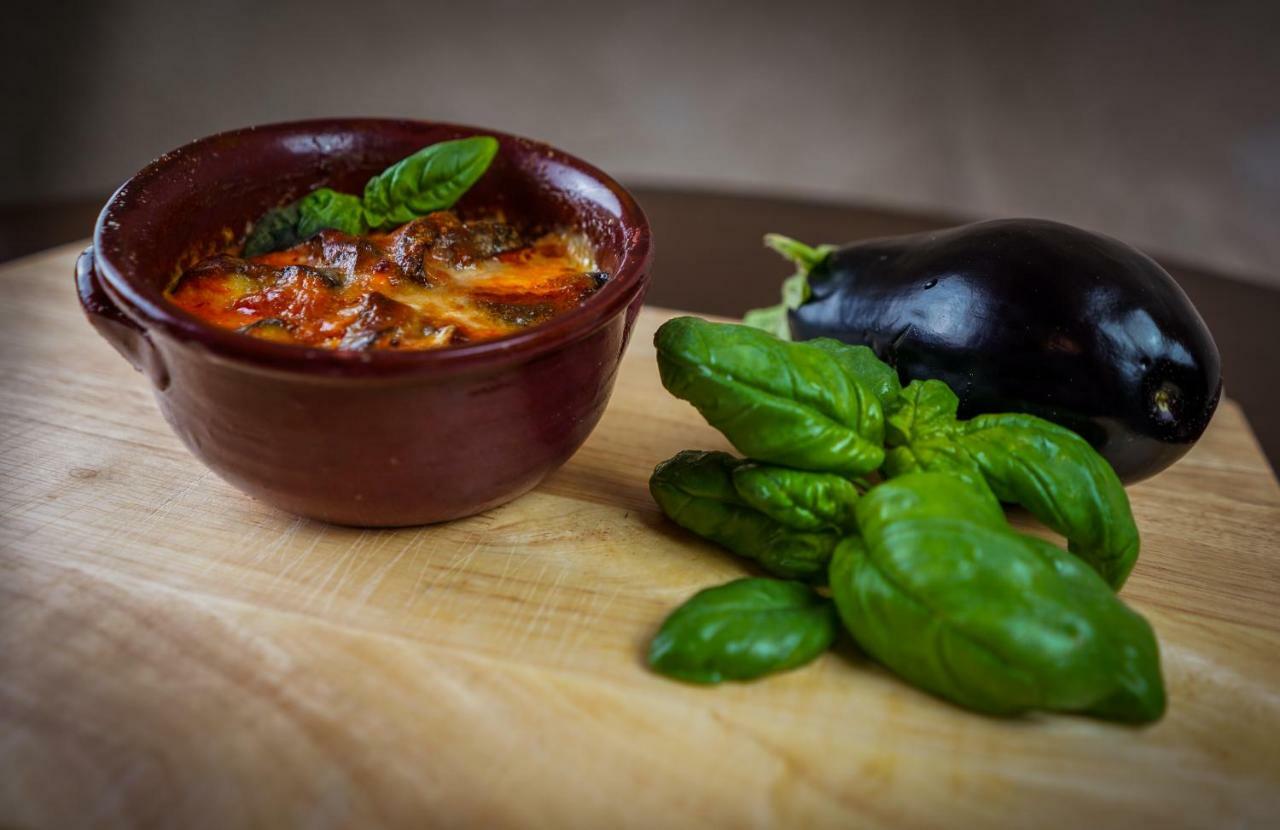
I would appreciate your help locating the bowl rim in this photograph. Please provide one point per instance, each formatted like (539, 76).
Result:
(628, 280)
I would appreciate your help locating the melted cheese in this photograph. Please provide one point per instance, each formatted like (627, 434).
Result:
(431, 283)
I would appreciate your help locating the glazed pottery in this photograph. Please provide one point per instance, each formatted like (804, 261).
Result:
(374, 438)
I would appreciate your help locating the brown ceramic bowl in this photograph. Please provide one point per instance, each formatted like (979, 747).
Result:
(376, 438)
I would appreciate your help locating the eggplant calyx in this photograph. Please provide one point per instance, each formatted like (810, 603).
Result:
(772, 319)
(795, 288)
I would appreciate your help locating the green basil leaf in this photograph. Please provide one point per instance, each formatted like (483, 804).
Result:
(743, 630)
(1025, 460)
(1062, 481)
(797, 498)
(432, 179)
(920, 427)
(1139, 694)
(861, 362)
(928, 496)
(784, 403)
(324, 208)
(275, 231)
(935, 454)
(974, 613)
(301, 219)
(924, 408)
(696, 491)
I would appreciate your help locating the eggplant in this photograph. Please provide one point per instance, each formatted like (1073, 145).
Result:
(1021, 315)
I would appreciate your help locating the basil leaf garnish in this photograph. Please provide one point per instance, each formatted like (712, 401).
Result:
(286, 226)
(277, 229)
(431, 179)
(325, 208)
(743, 630)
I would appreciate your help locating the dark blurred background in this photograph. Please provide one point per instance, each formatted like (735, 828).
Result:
(1158, 123)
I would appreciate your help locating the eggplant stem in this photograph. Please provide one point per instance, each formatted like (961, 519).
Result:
(805, 257)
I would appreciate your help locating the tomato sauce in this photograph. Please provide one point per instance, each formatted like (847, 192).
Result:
(433, 282)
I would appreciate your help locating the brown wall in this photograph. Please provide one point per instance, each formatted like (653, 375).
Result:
(1158, 123)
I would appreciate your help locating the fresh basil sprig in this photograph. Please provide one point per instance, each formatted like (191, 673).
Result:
(743, 630)
(432, 179)
(925, 570)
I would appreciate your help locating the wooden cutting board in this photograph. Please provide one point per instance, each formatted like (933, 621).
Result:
(174, 653)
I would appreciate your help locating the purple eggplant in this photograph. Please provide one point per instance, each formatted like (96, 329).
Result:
(1021, 315)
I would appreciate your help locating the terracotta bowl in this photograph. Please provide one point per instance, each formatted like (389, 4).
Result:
(376, 438)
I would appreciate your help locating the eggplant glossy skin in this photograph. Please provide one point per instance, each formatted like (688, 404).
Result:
(1024, 315)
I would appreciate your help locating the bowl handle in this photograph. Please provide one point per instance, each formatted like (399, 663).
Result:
(116, 327)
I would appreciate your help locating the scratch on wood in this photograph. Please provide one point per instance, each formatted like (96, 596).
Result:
(584, 630)
(452, 569)
(380, 574)
(525, 600)
(320, 532)
(378, 541)
(343, 558)
(412, 598)
(161, 509)
(506, 566)
(543, 605)
(259, 553)
(282, 541)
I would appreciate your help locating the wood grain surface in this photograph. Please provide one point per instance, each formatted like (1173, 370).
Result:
(173, 653)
